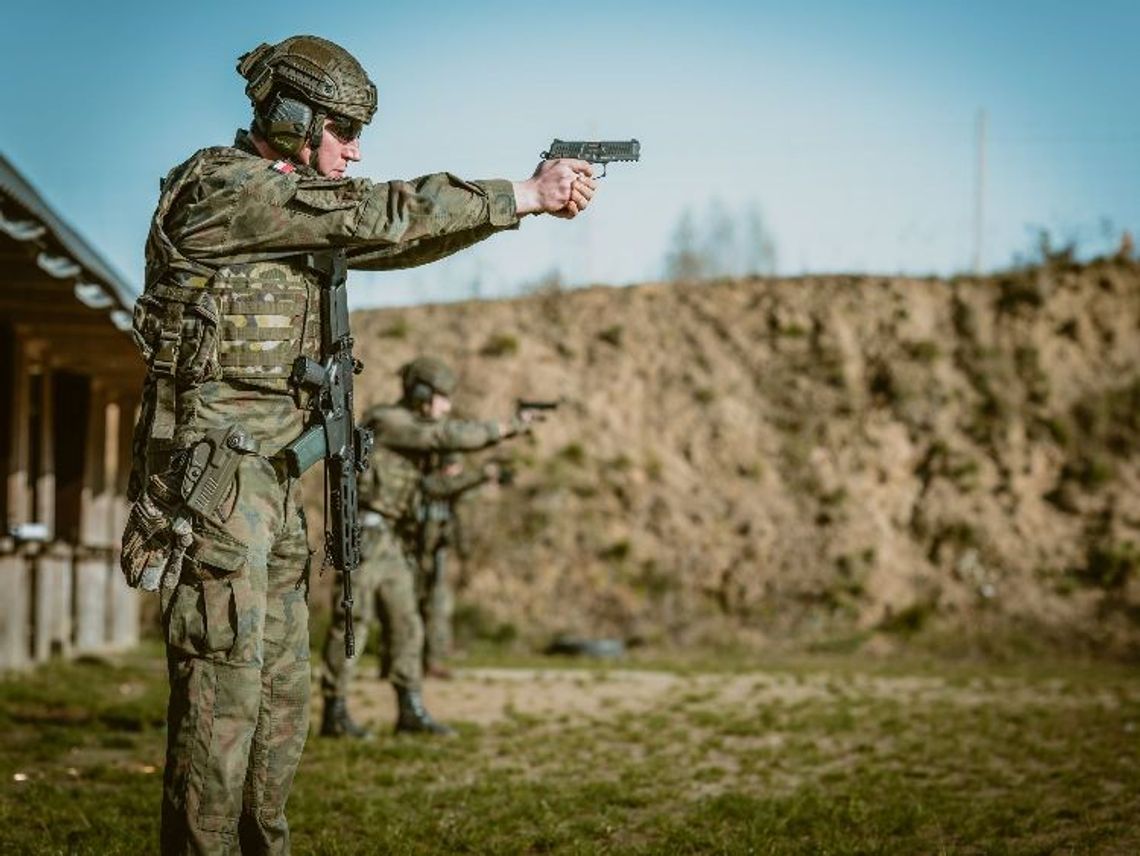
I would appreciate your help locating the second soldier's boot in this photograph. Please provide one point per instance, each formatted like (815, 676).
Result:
(337, 723)
(412, 717)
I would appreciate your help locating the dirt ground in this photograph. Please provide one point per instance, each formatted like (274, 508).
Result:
(488, 696)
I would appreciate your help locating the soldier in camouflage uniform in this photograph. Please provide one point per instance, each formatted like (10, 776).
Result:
(408, 434)
(231, 298)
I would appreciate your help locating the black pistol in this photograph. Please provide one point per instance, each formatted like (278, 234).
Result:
(595, 151)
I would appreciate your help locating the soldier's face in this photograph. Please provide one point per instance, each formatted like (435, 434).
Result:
(334, 154)
(440, 406)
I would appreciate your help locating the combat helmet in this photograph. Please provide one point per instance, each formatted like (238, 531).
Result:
(425, 376)
(296, 84)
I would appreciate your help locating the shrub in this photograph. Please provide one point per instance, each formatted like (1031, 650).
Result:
(1109, 566)
(923, 351)
(909, 620)
(500, 345)
(398, 329)
(612, 335)
(616, 552)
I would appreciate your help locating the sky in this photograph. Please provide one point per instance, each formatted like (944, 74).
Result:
(852, 129)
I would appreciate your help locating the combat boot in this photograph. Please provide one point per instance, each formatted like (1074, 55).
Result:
(412, 717)
(337, 723)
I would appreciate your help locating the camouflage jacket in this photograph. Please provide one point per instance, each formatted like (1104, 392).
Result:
(438, 519)
(405, 445)
(233, 206)
(231, 293)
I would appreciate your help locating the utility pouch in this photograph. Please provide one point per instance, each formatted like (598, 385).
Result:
(176, 329)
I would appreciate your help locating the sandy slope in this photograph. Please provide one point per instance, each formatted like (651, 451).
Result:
(801, 458)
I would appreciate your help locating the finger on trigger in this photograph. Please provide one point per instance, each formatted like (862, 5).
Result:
(581, 167)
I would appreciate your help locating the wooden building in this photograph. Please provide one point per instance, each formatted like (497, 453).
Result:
(70, 378)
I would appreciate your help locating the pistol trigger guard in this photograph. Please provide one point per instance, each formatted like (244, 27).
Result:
(603, 175)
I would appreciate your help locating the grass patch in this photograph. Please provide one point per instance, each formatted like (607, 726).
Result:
(810, 755)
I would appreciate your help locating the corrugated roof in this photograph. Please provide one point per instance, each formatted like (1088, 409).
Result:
(15, 187)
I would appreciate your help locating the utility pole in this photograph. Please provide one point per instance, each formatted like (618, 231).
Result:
(980, 190)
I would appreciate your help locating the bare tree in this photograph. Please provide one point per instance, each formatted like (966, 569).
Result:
(685, 260)
(724, 243)
(759, 245)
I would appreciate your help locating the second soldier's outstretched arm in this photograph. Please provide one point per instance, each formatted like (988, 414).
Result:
(397, 428)
(444, 486)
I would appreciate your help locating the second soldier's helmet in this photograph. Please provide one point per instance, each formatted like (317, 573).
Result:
(425, 376)
(296, 84)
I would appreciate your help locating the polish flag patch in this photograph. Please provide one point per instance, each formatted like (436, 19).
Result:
(283, 167)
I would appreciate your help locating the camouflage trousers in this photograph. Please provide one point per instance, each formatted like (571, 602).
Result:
(437, 605)
(389, 576)
(237, 647)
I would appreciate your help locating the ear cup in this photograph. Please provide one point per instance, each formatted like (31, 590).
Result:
(286, 124)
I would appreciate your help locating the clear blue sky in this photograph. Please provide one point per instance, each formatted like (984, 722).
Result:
(850, 125)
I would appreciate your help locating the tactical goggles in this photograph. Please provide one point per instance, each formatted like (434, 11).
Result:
(344, 128)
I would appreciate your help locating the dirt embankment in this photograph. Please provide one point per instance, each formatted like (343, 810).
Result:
(803, 458)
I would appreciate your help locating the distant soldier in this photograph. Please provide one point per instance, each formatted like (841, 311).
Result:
(407, 434)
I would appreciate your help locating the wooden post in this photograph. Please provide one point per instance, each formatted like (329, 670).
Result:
(123, 601)
(52, 590)
(15, 572)
(91, 565)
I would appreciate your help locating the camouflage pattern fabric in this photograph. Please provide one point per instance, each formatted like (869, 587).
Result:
(231, 206)
(389, 595)
(336, 670)
(236, 627)
(437, 605)
(442, 492)
(229, 299)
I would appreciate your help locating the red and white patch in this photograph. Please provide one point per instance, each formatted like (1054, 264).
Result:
(284, 167)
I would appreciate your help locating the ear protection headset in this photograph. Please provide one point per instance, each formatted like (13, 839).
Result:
(287, 123)
(420, 394)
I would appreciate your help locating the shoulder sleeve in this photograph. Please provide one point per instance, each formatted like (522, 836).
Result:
(441, 486)
(264, 213)
(398, 429)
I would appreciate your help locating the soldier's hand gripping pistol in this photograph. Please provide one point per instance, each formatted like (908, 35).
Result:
(331, 433)
(595, 151)
(534, 410)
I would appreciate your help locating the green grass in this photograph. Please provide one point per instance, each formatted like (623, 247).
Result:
(804, 755)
